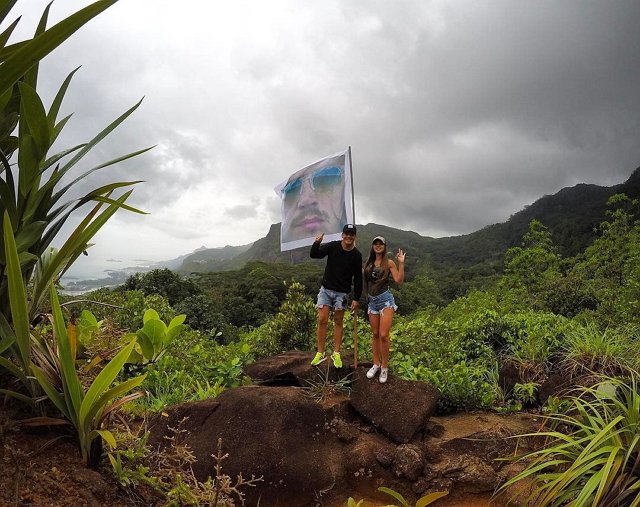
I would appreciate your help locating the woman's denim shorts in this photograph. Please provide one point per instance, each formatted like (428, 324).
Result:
(377, 304)
(332, 298)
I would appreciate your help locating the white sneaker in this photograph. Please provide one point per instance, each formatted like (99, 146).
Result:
(383, 375)
(373, 370)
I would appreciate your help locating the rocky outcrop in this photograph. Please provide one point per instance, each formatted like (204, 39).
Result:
(276, 433)
(399, 408)
(293, 368)
(345, 440)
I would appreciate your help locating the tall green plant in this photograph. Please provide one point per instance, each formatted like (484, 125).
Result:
(32, 194)
(84, 409)
(155, 337)
(16, 336)
(592, 455)
(31, 191)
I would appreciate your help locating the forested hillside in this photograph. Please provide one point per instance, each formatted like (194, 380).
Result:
(455, 263)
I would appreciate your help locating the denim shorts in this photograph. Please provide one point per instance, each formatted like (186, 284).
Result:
(332, 298)
(377, 304)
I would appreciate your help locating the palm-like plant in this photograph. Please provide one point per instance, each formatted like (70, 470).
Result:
(33, 214)
(592, 455)
(32, 195)
(54, 368)
(30, 188)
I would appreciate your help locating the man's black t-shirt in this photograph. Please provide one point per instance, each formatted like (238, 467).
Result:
(342, 266)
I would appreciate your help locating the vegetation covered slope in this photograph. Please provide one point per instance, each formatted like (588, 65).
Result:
(571, 215)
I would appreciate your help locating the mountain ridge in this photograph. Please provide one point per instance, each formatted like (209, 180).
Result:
(572, 215)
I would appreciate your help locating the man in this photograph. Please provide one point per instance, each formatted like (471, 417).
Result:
(344, 265)
(313, 200)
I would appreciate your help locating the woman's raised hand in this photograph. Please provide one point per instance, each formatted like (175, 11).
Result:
(400, 256)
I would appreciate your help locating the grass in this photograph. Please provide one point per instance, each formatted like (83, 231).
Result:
(323, 387)
(592, 451)
(588, 349)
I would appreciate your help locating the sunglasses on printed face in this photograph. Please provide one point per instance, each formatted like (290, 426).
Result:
(323, 181)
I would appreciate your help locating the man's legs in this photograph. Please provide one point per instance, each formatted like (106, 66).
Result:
(338, 329)
(327, 300)
(321, 331)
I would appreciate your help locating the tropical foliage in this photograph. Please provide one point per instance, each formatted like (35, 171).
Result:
(592, 450)
(84, 409)
(33, 185)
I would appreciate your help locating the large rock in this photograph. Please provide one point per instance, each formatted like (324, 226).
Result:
(293, 368)
(469, 458)
(399, 408)
(274, 432)
(311, 453)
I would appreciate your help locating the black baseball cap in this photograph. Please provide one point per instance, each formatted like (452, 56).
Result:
(349, 228)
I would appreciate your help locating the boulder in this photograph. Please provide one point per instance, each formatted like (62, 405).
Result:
(363, 471)
(350, 441)
(408, 461)
(293, 368)
(489, 446)
(399, 408)
(276, 433)
(471, 474)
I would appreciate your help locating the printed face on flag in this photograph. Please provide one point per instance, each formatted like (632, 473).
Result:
(313, 201)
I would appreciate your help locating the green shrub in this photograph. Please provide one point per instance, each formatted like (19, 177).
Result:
(428, 348)
(196, 368)
(589, 349)
(126, 309)
(462, 387)
(293, 327)
(155, 337)
(592, 451)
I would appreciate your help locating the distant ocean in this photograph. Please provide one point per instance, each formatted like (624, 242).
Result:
(87, 276)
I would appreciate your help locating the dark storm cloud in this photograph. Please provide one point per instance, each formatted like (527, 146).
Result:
(500, 100)
(458, 113)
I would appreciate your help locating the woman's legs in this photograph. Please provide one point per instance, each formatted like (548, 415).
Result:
(384, 326)
(374, 321)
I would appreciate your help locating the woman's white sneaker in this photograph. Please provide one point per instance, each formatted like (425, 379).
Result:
(372, 371)
(383, 375)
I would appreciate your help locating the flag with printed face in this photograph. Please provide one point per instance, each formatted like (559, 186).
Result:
(316, 199)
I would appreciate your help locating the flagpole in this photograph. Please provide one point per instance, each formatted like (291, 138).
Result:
(353, 202)
(355, 312)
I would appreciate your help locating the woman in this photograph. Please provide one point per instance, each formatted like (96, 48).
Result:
(377, 271)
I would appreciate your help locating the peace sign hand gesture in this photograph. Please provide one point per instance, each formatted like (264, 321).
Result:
(400, 256)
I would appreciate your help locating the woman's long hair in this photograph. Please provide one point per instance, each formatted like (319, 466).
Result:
(384, 265)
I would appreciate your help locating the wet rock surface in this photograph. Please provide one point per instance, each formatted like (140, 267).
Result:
(349, 443)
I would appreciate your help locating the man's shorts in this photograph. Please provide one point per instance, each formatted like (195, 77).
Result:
(378, 304)
(334, 299)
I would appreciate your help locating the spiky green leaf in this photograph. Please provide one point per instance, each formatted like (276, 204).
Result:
(32, 51)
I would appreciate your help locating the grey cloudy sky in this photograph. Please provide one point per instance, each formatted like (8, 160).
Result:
(459, 113)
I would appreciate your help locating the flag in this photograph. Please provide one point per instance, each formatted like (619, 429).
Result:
(316, 199)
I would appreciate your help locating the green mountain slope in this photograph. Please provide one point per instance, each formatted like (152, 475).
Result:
(571, 215)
